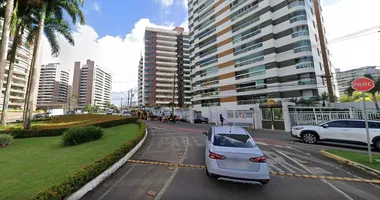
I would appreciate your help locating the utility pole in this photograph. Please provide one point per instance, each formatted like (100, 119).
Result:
(130, 103)
(121, 104)
(173, 95)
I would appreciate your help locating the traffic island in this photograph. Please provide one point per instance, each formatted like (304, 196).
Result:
(355, 159)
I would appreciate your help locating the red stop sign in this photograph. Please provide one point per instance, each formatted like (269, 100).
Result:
(363, 84)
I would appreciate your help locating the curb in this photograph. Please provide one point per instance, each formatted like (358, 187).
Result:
(350, 163)
(103, 176)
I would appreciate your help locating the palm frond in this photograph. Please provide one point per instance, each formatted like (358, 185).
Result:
(52, 38)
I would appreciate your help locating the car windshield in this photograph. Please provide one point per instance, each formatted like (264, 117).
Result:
(233, 140)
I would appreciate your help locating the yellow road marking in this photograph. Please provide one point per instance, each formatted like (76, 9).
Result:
(309, 176)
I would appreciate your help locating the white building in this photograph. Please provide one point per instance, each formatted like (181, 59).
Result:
(53, 87)
(344, 78)
(249, 51)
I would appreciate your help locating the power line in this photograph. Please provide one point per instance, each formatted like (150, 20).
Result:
(354, 35)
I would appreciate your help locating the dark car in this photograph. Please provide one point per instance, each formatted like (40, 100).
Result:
(39, 116)
(201, 119)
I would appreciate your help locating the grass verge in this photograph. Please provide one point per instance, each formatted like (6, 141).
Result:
(33, 164)
(361, 158)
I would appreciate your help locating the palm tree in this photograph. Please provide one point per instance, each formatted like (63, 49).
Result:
(312, 101)
(294, 100)
(324, 97)
(56, 7)
(5, 40)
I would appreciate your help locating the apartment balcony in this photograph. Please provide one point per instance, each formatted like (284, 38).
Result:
(163, 102)
(167, 58)
(167, 69)
(166, 43)
(166, 96)
(166, 79)
(166, 37)
(165, 90)
(166, 63)
(166, 48)
(16, 103)
(165, 74)
(166, 53)
(164, 85)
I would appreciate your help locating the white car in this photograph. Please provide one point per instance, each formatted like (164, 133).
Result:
(346, 131)
(126, 114)
(232, 155)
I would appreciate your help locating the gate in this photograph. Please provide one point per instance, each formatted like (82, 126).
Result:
(272, 116)
(242, 118)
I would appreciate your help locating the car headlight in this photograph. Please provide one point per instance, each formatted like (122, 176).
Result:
(298, 128)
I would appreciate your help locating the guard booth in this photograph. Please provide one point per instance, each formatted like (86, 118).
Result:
(272, 116)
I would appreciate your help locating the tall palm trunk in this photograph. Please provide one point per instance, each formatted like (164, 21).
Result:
(36, 54)
(26, 105)
(10, 75)
(5, 40)
(374, 100)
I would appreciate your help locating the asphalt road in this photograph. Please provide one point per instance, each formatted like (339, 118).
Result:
(184, 143)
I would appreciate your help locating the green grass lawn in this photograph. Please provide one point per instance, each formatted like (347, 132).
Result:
(33, 164)
(361, 158)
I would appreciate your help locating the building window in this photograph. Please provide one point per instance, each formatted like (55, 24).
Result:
(300, 31)
(302, 46)
(304, 62)
(251, 72)
(299, 15)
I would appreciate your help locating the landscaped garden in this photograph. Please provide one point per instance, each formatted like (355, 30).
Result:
(45, 167)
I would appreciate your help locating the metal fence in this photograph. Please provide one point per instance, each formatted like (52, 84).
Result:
(314, 116)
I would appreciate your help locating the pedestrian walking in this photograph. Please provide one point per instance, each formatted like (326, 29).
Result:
(221, 119)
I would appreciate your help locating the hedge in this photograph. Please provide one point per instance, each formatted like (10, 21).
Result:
(89, 172)
(54, 131)
(72, 118)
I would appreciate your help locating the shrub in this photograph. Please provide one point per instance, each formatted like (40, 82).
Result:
(5, 140)
(79, 135)
(87, 173)
(51, 130)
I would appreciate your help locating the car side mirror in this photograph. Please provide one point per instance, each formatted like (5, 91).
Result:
(204, 133)
(325, 125)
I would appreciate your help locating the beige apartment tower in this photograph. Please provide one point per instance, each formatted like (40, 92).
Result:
(91, 84)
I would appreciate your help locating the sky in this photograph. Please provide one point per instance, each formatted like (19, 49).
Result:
(114, 30)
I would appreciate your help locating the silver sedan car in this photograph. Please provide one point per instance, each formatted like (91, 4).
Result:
(232, 155)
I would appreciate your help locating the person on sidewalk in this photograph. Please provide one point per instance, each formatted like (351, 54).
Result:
(221, 119)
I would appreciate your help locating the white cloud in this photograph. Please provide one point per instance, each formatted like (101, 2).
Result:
(96, 6)
(116, 54)
(349, 16)
(166, 3)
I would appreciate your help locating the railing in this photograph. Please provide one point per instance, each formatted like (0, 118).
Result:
(300, 33)
(249, 48)
(302, 49)
(314, 118)
(298, 18)
(304, 65)
(207, 43)
(244, 12)
(239, 39)
(296, 3)
(246, 24)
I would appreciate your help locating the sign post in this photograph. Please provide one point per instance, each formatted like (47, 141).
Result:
(363, 85)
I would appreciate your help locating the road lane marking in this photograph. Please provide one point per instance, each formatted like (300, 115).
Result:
(323, 180)
(306, 176)
(158, 197)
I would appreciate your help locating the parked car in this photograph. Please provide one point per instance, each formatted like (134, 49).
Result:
(231, 154)
(126, 114)
(110, 112)
(346, 131)
(39, 116)
(201, 119)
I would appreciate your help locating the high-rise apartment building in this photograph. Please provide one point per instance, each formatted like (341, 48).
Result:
(53, 87)
(166, 67)
(20, 73)
(248, 51)
(140, 84)
(91, 84)
(344, 78)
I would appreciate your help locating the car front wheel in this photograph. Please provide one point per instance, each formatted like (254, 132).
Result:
(309, 138)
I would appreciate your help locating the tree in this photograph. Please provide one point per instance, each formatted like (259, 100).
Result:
(312, 101)
(324, 97)
(5, 40)
(49, 8)
(73, 101)
(294, 100)
(345, 98)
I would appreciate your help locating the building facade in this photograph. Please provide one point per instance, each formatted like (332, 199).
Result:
(344, 78)
(53, 87)
(250, 51)
(166, 67)
(140, 83)
(91, 84)
(20, 73)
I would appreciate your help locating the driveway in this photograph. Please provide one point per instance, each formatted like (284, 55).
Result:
(184, 144)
